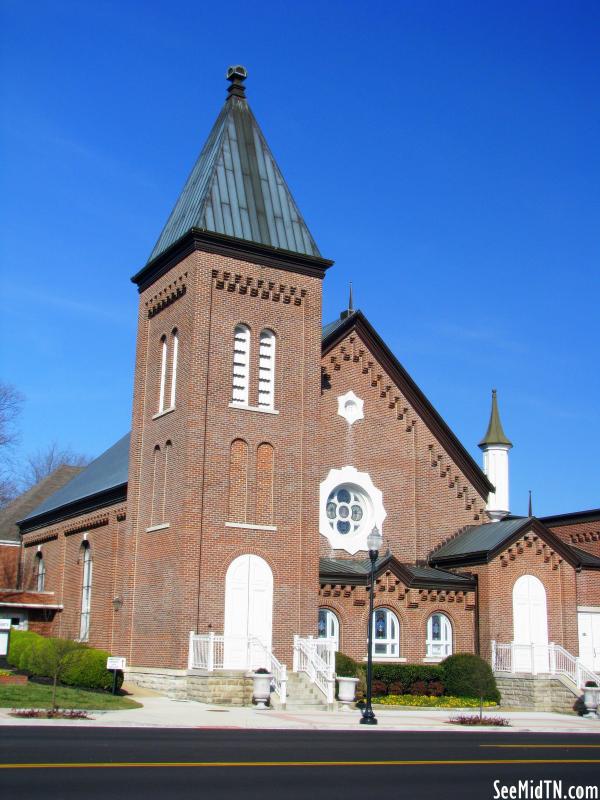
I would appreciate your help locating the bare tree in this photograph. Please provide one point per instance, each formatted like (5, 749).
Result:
(45, 460)
(11, 402)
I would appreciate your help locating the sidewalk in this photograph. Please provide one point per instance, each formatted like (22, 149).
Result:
(163, 712)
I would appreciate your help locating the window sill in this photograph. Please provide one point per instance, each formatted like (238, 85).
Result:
(433, 659)
(258, 409)
(387, 659)
(160, 527)
(250, 527)
(164, 413)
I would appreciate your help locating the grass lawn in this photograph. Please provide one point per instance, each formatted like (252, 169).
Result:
(36, 695)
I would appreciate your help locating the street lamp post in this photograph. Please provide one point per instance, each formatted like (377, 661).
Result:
(374, 540)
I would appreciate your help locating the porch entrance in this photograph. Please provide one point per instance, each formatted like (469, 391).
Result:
(589, 639)
(530, 624)
(248, 612)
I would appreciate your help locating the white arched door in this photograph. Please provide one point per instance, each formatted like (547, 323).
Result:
(530, 625)
(248, 612)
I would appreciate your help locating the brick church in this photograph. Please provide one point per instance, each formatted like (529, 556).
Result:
(266, 446)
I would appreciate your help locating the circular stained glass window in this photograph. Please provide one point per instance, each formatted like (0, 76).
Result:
(346, 508)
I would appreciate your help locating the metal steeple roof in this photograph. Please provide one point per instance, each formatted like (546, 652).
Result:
(236, 188)
(495, 434)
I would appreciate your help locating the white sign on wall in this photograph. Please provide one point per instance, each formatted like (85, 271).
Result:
(115, 662)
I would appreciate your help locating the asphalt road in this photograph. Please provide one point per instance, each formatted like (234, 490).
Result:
(147, 763)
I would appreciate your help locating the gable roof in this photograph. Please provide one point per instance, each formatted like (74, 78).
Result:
(336, 331)
(235, 187)
(357, 572)
(588, 560)
(480, 544)
(26, 502)
(574, 518)
(101, 483)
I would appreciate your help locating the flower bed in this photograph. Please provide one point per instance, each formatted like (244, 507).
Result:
(9, 679)
(430, 701)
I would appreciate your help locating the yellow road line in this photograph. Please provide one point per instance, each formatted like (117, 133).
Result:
(220, 764)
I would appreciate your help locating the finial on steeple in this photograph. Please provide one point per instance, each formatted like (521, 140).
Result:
(350, 310)
(494, 434)
(530, 511)
(237, 75)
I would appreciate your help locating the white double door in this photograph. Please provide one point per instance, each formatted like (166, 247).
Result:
(530, 625)
(248, 612)
(589, 639)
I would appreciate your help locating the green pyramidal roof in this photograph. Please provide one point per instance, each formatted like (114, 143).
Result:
(495, 433)
(236, 188)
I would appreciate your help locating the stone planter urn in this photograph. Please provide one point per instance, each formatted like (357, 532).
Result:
(346, 690)
(261, 691)
(591, 698)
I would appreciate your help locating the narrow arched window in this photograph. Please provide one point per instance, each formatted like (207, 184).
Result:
(241, 365)
(329, 626)
(39, 572)
(163, 373)
(174, 356)
(386, 634)
(439, 636)
(266, 370)
(166, 488)
(86, 592)
(156, 485)
(238, 481)
(265, 462)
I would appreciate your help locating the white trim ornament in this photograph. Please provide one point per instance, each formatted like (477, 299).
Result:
(350, 407)
(371, 502)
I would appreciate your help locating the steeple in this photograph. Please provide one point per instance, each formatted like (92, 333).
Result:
(495, 434)
(236, 188)
(495, 445)
(350, 310)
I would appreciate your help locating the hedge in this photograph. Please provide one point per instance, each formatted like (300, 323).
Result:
(468, 675)
(345, 666)
(89, 671)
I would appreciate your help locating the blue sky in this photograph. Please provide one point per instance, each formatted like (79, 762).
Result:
(445, 154)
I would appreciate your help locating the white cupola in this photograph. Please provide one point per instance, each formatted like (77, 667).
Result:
(495, 446)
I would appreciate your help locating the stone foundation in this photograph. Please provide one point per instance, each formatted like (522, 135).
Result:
(539, 693)
(228, 688)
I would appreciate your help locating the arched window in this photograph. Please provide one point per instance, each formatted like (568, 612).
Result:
(329, 626)
(86, 592)
(175, 352)
(386, 634)
(39, 572)
(156, 486)
(163, 373)
(166, 488)
(241, 365)
(265, 458)
(266, 370)
(238, 480)
(439, 636)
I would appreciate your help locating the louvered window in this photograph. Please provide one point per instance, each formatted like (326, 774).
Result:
(175, 343)
(266, 371)
(163, 374)
(40, 572)
(241, 365)
(86, 593)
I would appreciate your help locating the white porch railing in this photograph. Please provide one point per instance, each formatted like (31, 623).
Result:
(316, 658)
(212, 652)
(545, 659)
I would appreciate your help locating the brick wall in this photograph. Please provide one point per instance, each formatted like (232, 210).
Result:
(9, 565)
(585, 535)
(588, 588)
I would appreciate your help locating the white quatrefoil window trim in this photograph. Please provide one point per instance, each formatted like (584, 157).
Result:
(350, 407)
(350, 505)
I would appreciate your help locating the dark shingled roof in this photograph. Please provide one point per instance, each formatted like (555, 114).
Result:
(107, 472)
(479, 540)
(26, 502)
(586, 559)
(236, 188)
(357, 571)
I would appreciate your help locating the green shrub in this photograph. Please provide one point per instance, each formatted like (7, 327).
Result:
(468, 675)
(21, 644)
(345, 666)
(88, 670)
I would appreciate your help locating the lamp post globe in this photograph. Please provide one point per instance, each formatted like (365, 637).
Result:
(374, 540)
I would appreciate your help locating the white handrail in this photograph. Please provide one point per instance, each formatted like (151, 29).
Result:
(209, 652)
(308, 658)
(551, 659)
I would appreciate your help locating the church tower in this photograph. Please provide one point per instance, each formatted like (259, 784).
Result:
(495, 446)
(223, 498)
